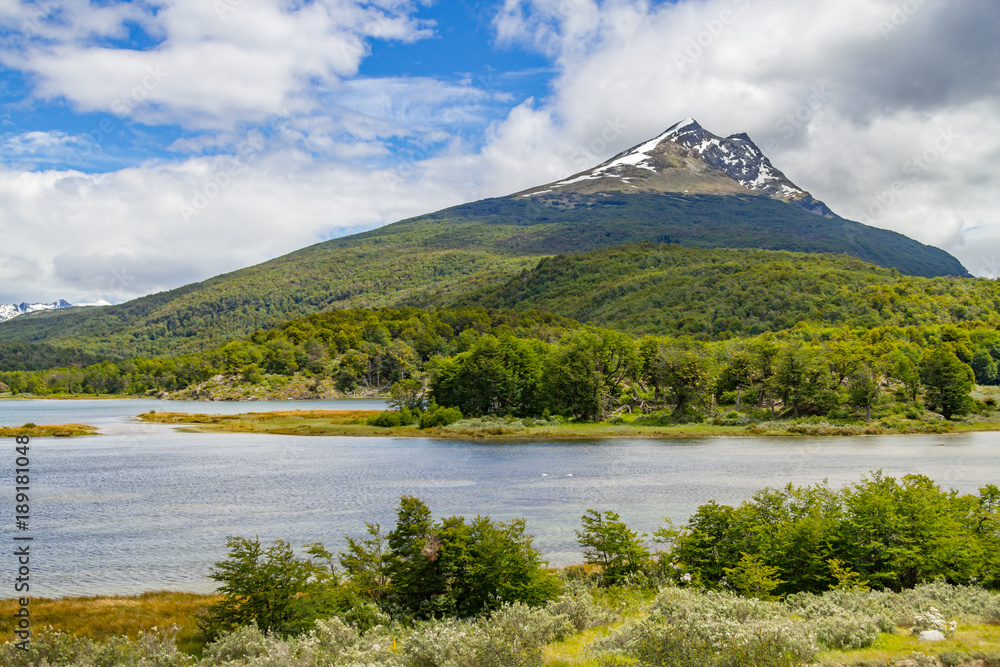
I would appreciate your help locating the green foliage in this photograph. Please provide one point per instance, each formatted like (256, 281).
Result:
(434, 258)
(270, 587)
(717, 293)
(451, 568)
(948, 382)
(366, 564)
(882, 532)
(393, 418)
(609, 543)
(436, 417)
(495, 376)
(753, 578)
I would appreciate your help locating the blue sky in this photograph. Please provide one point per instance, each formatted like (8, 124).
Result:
(149, 144)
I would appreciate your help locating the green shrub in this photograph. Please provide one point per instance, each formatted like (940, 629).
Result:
(440, 417)
(393, 418)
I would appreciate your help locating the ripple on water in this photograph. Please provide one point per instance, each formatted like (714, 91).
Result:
(115, 515)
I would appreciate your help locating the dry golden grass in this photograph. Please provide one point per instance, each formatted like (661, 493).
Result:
(47, 431)
(113, 616)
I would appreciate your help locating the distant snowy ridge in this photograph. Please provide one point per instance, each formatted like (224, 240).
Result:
(9, 311)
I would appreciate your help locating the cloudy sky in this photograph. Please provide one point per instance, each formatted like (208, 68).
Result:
(148, 144)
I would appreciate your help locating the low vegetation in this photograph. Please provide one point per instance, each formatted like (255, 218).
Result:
(897, 572)
(47, 430)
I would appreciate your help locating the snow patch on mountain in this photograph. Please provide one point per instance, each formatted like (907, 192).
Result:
(736, 156)
(9, 311)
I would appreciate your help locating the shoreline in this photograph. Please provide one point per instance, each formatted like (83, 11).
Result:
(353, 423)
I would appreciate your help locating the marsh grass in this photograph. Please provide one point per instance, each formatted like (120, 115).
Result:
(353, 423)
(104, 617)
(47, 430)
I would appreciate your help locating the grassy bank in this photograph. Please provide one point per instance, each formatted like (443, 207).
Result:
(104, 617)
(47, 430)
(354, 423)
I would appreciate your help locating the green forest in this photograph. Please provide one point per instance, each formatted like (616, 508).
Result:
(441, 256)
(532, 364)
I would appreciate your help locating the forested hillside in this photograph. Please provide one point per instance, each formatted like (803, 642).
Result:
(717, 294)
(449, 253)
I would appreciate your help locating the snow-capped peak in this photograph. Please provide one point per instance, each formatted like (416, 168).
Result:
(9, 311)
(677, 127)
(669, 161)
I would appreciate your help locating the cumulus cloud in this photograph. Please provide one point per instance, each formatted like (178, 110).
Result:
(210, 64)
(146, 229)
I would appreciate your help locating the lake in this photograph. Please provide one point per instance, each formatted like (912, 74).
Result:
(145, 507)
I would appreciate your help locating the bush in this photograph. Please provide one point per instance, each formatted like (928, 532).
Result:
(57, 648)
(440, 417)
(847, 631)
(392, 418)
(580, 609)
(933, 620)
(270, 588)
(685, 627)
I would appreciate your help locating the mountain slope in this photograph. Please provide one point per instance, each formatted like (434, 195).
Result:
(720, 293)
(445, 254)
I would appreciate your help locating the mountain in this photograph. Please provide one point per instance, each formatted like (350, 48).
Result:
(687, 158)
(11, 310)
(665, 190)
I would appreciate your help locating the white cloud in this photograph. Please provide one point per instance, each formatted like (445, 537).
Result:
(216, 64)
(124, 234)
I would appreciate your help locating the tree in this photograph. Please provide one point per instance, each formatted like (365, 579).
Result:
(450, 567)
(407, 395)
(609, 543)
(684, 374)
(584, 372)
(270, 587)
(798, 379)
(496, 376)
(947, 382)
(366, 562)
(903, 369)
(739, 374)
(752, 577)
(984, 367)
(412, 551)
(503, 567)
(863, 388)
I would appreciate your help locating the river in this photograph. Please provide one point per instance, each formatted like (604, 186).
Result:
(145, 507)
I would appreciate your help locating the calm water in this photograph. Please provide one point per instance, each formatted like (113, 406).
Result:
(144, 507)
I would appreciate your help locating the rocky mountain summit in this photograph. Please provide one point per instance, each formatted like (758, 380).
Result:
(687, 158)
